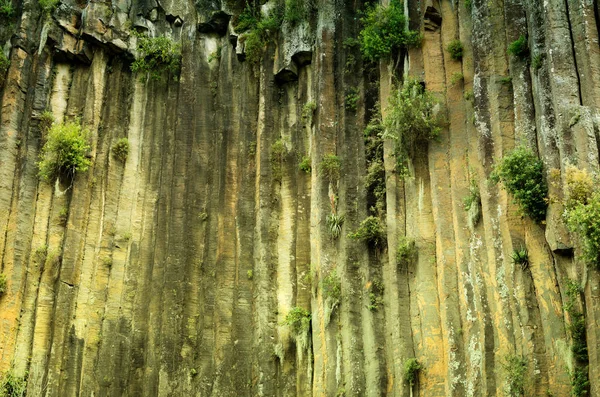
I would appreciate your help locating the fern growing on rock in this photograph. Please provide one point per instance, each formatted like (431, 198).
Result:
(157, 56)
(65, 151)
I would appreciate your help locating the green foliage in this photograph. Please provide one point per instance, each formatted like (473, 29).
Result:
(469, 5)
(521, 174)
(384, 31)
(65, 151)
(249, 274)
(455, 48)
(247, 20)
(330, 167)
(2, 284)
(577, 325)
(371, 231)
(582, 212)
(520, 257)
(297, 11)
(307, 112)
(456, 78)
(298, 320)
(407, 252)
(411, 371)
(277, 154)
(506, 80)
(259, 30)
(351, 99)
(538, 61)
(375, 178)
(580, 382)
(6, 9)
(515, 368)
(216, 55)
(410, 118)
(334, 225)
(12, 386)
(48, 6)
(331, 287)
(472, 204)
(63, 216)
(519, 48)
(46, 121)
(375, 295)
(157, 55)
(121, 149)
(4, 64)
(469, 95)
(305, 164)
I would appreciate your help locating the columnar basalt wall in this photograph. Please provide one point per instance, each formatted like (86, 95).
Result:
(172, 273)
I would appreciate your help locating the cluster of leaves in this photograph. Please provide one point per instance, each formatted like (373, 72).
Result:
(583, 212)
(307, 112)
(331, 287)
(2, 284)
(411, 118)
(375, 178)
(472, 204)
(580, 382)
(6, 8)
(455, 48)
(407, 252)
(375, 295)
(46, 121)
(65, 151)
(370, 230)
(384, 31)
(12, 386)
(519, 48)
(305, 164)
(157, 56)
(121, 149)
(298, 320)
(330, 167)
(48, 6)
(521, 174)
(4, 64)
(411, 371)
(297, 11)
(352, 98)
(259, 30)
(520, 257)
(577, 325)
(277, 155)
(334, 225)
(515, 368)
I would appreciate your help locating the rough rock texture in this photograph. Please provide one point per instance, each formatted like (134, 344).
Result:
(174, 271)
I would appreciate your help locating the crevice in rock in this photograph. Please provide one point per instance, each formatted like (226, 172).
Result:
(573, 52)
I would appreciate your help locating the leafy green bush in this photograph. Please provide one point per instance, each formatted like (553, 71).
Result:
(298, 320)
(157, 55)
(384, 31)
(277, 155)
(410, 118)
(375, 178)
(6, 8)
(456, 78)
(371, 231)
(305, 164)
(334, 225)
(520, 257)
(48, 6)
(455, 48)
(411, 371)
(580, 382)
(515, 368)
(469, 5)
(4, 64)
(521, 174)
(330, 167)
(538, 61)
(121, 149)
(12, 386)
(65, 151)
(331, 287)
(46, 121)
(259, 30)
(296, 11)
(407, 251)
(2, 284)
(519, 48)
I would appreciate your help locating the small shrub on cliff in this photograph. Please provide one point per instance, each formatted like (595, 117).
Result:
(455, 48)
(384, 31)
(580, 382)
(371, 231)
(411, 371)
(334, 225)
(277, 155)
(520, 257)
(157, 55)
(48, 6)
(298, 319)
(472, 204)
(330, 167)
(65, 151)
(515, 368)
(305, 165)
(411, 119)
(259, 30)
(6, 8)
(519, 48)
(4, 64)
(12, 386)
(46, 121)
(2, 284)
(407, 251)
(121, 149)
(521, 174)
(297, 11)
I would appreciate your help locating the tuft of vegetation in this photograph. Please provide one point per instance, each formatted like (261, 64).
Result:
(538, 61)
(249, 274)
(157, 55)
(297, 11)
(305, 164)
(4, 64)
(331, 287)
(2, 284)
(506, 80)
(457, 78)
(308, 110)
(469, 96)
(580, 382)
(12, 386)
(65, 151)
(46, 122)
(63, 216)
(375, 295)
(277, 155)
(352, 98)
(121, 149)
(259, 30)
(384, 31)
(298, 320)
(334, 225)
(407, 252)
(515, 368)
(215, 55)
(519, 48)
(582, 212)
(472, 204)
(330, 167)
(521, 174)
(411, 120)
(469, 5)
(375, 178)
(411, 371)
(371, 231)
(6, 9)
(456, 49)
(577, 325)
(48, 6)
(520, 257)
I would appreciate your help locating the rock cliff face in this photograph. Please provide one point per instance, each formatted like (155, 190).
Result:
(173, 273)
